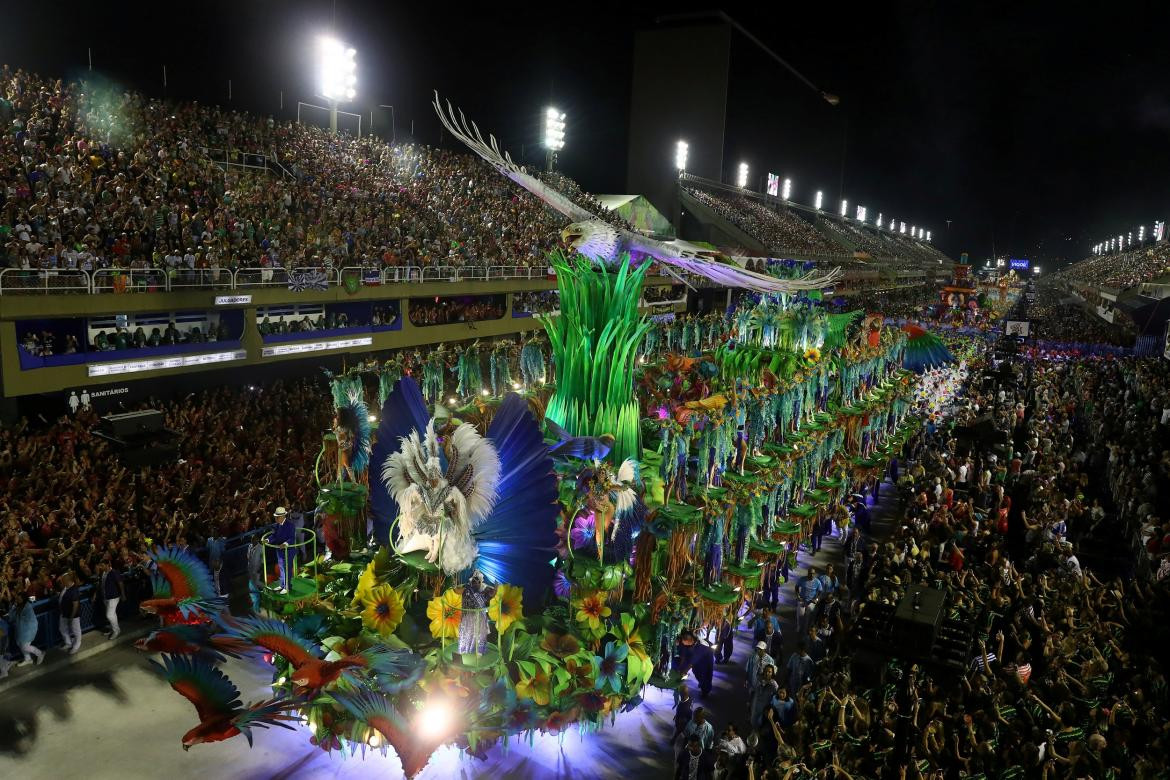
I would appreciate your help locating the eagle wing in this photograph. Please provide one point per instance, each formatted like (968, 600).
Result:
(489, 150)
(682, 255)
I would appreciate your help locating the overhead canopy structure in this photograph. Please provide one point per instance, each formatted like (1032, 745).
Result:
(639, 212)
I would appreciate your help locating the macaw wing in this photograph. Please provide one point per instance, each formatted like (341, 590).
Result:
(489, 150)
(272, 712)
(273, 636)
(209, 689)
(394, 669)
(403, 412)
(375, 711)
(179, 574)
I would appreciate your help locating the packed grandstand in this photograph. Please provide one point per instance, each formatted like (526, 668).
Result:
(1027, 485)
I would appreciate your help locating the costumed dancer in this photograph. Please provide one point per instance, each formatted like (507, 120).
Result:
(501, 371)
(433, 368)
(532, 362)
(468, 371)
(473, 626)
(725, 639)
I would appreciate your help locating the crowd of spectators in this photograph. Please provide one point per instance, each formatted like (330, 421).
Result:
(1069, 322)
(1120, 270)
(386, 314)
(93, 178)
(538, 302)
(781, 232)
(67, 503)
(1066, 675)
(572, 190)
(445, 311)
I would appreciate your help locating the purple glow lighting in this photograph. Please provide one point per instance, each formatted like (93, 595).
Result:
(663, 413)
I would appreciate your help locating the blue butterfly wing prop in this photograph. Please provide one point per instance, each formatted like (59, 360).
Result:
(404, 411)
(518, 539)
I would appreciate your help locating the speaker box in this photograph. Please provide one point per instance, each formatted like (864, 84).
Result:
(916, 620)
(132, 425)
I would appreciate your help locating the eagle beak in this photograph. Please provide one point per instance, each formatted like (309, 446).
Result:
(570, 236)
(186, 747)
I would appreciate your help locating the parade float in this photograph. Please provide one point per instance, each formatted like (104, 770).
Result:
(528, 562)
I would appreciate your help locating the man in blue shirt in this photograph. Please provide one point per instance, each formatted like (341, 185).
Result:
(283, 535)
(808, 590)
(799, 669)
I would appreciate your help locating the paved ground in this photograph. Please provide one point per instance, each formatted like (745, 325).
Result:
(110, 716)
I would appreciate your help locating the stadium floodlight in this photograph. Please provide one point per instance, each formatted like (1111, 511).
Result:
(859, 214)
(1121, 242)
(741, 176)
(878, 221)
(820, 199)
(1129, 239)
(928, 236)
(680, 155)
(903, 227)
(1035, 269)
(554, 136)
(844, 207)
(336, 74)
(787, 189)
(1141, 233)
(891, 224)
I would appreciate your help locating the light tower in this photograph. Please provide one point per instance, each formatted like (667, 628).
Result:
(336, 73)
(554, 136)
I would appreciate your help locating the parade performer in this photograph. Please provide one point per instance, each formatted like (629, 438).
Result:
(487, 501)
(501, 370)
(468, 373)
(532, 362)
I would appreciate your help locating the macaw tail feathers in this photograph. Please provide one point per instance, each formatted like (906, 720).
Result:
(272, 712)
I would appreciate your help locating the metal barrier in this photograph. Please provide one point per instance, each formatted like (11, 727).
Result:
(129, 280)
(18, 281)
(440, 273)
(260, 277)
(204, 278)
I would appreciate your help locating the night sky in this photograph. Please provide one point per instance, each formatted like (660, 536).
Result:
(1036, 129)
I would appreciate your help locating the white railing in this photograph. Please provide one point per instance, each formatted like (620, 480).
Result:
(201, 278)
(261, 277)
(129, 280)
(440, 273)
(17, 281)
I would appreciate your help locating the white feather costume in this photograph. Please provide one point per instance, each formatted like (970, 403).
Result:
(440, 508)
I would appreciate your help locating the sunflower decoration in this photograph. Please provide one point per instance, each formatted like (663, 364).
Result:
(592, 610)
(444, 612)
(506, 607)
(812, 355)
(382, 610)
(366, 583)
